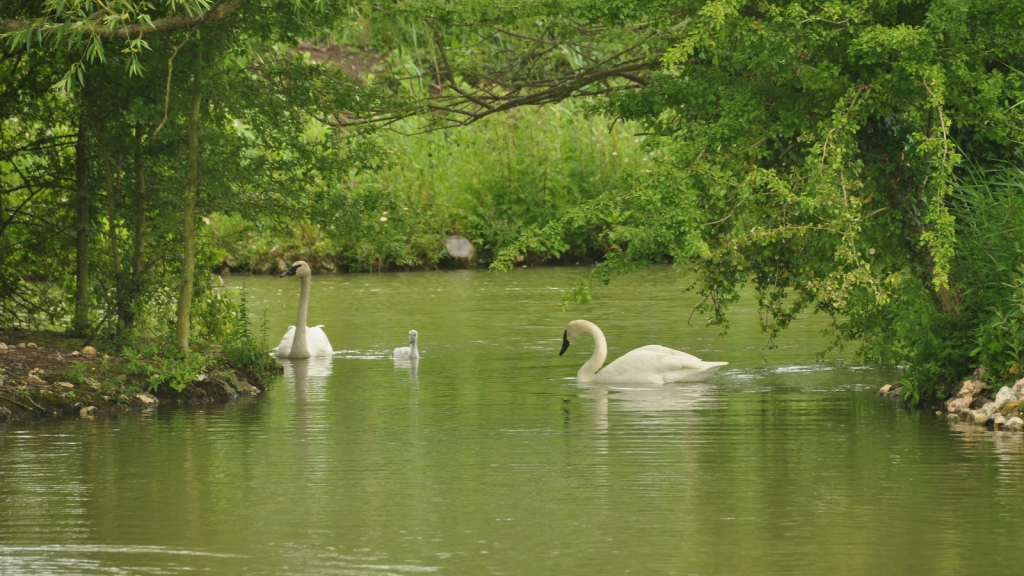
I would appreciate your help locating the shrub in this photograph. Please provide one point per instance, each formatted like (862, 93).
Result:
(242, 350)
(491, 182)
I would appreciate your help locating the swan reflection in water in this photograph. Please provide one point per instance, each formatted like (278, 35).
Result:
(308, 374)
(646, 398)
(412, 364)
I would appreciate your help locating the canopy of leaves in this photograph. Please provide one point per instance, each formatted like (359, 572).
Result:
(267, 150)
(810, 149)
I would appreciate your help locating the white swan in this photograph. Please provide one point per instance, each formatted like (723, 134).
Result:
(300, 341)
(647, 365)
(409, 352)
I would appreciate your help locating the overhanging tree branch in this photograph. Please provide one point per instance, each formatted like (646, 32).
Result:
(90, 27)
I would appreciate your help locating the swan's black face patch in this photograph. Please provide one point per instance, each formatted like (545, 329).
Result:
(565, 342)
(290, 272)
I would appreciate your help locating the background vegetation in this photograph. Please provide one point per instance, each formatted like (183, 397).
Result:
(856, 159)
(490, 182)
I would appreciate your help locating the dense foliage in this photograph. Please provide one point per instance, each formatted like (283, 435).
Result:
(107, 175)
(491, 182)
(811, 151)
(816, 152)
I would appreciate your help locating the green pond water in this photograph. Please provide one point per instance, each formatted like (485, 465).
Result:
(488, 458)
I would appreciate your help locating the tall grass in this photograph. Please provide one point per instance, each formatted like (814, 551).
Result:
(490, 181)
(938, 349)
(989, 207)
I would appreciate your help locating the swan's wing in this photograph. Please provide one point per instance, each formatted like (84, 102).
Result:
(285, 346)
(658, 364)
(654, 348)
(659, 356)
(402, 352)
(317, 342)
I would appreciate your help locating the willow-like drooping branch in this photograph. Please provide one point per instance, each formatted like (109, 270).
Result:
(218, 11)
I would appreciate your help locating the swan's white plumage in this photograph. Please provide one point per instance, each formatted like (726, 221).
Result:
(651, 364)
(300, 341)
(317, 343)
(410, 352)
(657, 365)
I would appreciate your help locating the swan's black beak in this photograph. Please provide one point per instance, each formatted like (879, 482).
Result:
(290, 272)
(565, 342)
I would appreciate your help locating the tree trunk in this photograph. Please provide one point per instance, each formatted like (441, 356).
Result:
(948, 300)
(115, 253)
(189, 202)
(140, 232)
(80, 322)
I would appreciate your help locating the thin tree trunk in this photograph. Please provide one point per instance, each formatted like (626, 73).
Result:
(115, 253)
(189, 201)
(140, 232)
(80, 322)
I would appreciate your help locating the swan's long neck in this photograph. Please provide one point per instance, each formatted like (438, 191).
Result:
(413, 352)
(299, 349)
(591, 367)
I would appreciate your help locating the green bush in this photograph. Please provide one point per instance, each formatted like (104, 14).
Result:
(937, 349)
(989, 207)
(492, 181)
(177, 371)
(77, 373)
(243, 350)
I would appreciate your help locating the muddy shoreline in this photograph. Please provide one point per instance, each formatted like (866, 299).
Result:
(51, 375)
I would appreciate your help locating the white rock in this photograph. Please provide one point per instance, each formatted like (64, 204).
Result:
(87, 411)
(66, 384)
(146, 398)
(958, 405)
(1014, 423)
(89, 351)
(1018, 387)
(3, 346)
(31, 345)
(884, 389)
(459, 247)
(35, 380)
(971, 388)
(998, 420)
(989, 408)
(1004, 397)
(979, 416)
(76, 353)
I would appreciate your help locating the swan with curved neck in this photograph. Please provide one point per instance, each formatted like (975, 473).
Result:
(300, 341)
(646, 365)
(410, 352)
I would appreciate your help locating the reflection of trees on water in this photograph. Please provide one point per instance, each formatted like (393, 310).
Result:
(1007, 449)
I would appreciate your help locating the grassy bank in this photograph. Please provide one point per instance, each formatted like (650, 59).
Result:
(45, 374)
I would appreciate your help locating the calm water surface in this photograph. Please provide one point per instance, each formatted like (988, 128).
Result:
(488, 458)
